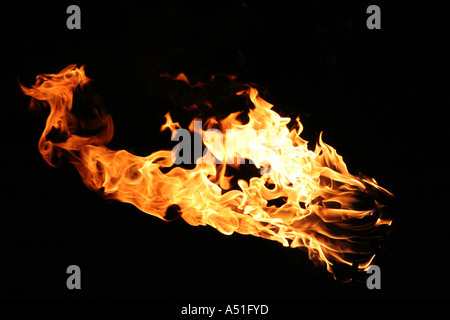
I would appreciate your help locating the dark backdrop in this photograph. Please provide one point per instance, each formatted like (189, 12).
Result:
(372, 92)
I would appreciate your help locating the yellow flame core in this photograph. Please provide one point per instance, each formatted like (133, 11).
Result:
(317, 191)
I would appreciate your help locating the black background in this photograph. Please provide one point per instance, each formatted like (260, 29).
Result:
(372, 92)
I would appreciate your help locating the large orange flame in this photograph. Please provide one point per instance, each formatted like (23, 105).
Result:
(321, 201)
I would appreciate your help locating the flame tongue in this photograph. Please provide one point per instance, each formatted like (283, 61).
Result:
(57, 91)
(320, 200)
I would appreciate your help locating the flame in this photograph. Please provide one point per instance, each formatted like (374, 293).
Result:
(321, 202)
